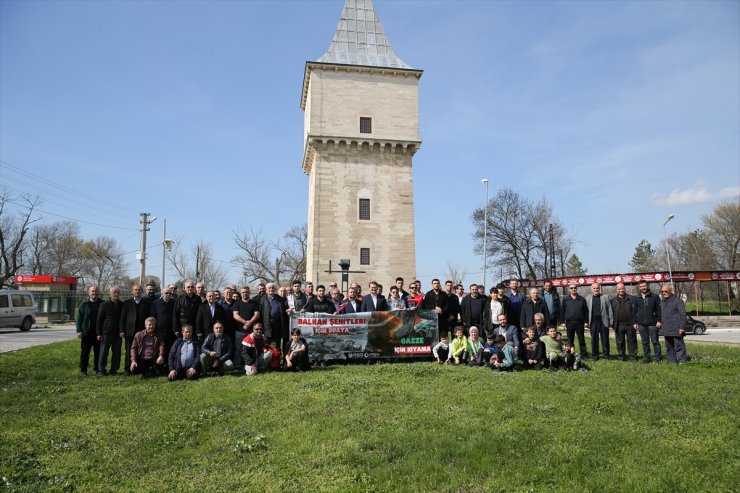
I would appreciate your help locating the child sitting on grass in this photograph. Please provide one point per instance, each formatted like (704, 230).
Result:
(475, 348)
(459, 346)
(505, 359)
(534, 350)
(441, 350)
(275, 361)
(489, 348)
(554, 354)
(297, 357)
(572, 359)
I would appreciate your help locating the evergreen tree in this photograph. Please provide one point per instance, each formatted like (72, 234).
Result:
(644, 259)
(574, 267)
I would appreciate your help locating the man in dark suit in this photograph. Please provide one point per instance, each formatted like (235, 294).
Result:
(133, 314)
(351, 304)
(374, 302)
(163, 309)
(186, 308)
(532, 305)
(108, 329)
(208, 314)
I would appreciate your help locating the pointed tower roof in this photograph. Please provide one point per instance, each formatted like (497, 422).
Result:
(360, 39)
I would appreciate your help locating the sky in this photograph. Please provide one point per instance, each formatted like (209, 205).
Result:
(618, 112)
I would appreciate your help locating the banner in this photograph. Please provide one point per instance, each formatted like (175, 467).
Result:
(376, 335)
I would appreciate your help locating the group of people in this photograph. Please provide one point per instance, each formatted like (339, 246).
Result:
(211, 331)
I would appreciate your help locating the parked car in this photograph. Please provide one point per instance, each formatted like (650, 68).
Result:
(17, 309)
(694, 326)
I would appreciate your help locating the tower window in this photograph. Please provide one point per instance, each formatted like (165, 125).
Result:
(364, 256)
(365, 209)
(366, 125)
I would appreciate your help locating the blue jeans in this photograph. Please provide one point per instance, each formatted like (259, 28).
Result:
(649, 334)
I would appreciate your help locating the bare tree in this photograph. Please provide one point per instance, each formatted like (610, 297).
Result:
(454, 273)
(723, 228)
(56, 248)
(519, 234)
(103, 262)
(197, 262)
(267, 261)
(13, 231)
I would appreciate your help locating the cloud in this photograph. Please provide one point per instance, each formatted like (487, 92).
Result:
(696, 195)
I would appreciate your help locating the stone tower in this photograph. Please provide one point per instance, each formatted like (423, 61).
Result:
(361, 130)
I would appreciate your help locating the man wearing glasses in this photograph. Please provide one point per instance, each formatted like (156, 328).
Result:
(574, 315)
(415, 297)
(673, 320)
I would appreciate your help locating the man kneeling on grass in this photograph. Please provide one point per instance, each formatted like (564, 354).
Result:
(184, 360)
(255, 351)
(215, 354)
(147, 351)
(505, 359)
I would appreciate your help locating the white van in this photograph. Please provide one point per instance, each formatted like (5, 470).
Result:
(17, 309)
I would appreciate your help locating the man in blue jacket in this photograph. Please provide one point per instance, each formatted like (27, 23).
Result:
(673, 318)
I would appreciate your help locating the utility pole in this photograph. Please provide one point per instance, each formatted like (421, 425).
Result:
(141, 256)
(552, 252)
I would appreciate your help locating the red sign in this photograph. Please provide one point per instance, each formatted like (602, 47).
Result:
(633, 278)
(45, 279)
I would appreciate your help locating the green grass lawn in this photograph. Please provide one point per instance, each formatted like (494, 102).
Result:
(388, 427)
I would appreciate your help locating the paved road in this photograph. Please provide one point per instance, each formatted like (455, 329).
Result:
(724, 335)
(14, 339)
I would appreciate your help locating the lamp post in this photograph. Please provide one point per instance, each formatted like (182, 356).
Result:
(667, 248)
(485, 231)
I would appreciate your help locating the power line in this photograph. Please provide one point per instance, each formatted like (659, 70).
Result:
(74, 192)
(70, 218)
(51, 202)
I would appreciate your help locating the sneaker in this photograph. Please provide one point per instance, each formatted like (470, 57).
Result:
(646, 361)
(83, 373)
(99, 374)
(127, 374)
(113, 373)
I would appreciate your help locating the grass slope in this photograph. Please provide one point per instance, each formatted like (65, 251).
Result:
(390, 427)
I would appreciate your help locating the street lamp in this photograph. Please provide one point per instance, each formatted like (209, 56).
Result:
(485, 231)
(667, 249)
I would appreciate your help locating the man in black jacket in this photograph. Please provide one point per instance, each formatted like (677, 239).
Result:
(320, 303)
(216, 351)
(471, 308)
(186, 308)
(163, 309)
(647, 320)
(574, 316)
(133, 314)
(533, 304)
(108, 328)
(436, 300)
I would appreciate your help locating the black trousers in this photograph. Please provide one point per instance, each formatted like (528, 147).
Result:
(599, 333)
(622, 332)
(89, 342)
(573, 329)
(111, 342)
(127, 356)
